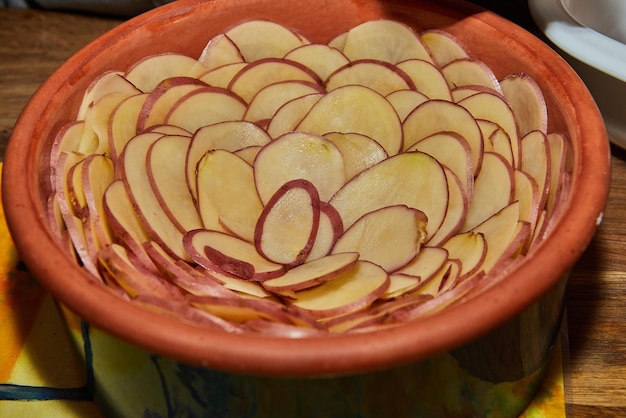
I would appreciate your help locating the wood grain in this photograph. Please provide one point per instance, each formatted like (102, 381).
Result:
(597, 313)
(34, 43)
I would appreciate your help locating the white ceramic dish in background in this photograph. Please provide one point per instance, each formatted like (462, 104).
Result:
(588, 35)
(604, 16)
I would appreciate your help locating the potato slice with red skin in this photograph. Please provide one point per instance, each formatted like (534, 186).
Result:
(413, 179)
(380, 76)
(229, 135)
(443, 46)
(299, 155)
(222, 76)
(73, 187)
(487, 128)
(463, 92)
(442, 281)
(270, 98)
(227, 196)
(499, 231)
(470, 72)
(182, 310)
(405, 101)
(460, 290)
(54, 216)
(78, 208)
(320, 58)
(73, 223)
(223, 253)
(94, 138)
(359, 151)
(201, 283)
(81, 246)
(219, 51)
(500, 143)
(310, 274)
(370, 114)
(182, 277)
(96, 175)
(165, 129)
(436, 116)
(511, 254)
(493, 190)
(384, 40)
(132, 278)
(470, 248)
(427, 78)
(390, 237)
(132, 166)
(349, 291)
(148, 72)
(558, 159)
(258, 74)
(288, 116)
(240, 287)
(527, 102)
(108, 82)
(339, 41)
(67, 140)
(496, 139)
(535, 160)
(242, 310)
(123, 122)
(248, 154)
(427, 262)
(125, 222)
(160, 100)
(195, 279)
(165, 163)
(452, 151)
(329, 230)
(286, 229)
(400, 284)
(458, 204)
(493, 107)
(375, 316)
(205, 106)
(259, 38)
(527, 194)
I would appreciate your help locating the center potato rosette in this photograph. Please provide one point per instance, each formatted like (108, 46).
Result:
(282, 186)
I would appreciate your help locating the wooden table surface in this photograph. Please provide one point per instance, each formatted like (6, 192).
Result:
(33, 44)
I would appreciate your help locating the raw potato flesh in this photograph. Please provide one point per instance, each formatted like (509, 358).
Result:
(380, 76)
(384, 40)
(279, 186)
(351, 291)
(165, 164)
(443, 46)
(230, 136)
(308, 275)
(217, 174)
(370, 114)
(400, 226)
(413, 179)
(311, 157)
(286, 229)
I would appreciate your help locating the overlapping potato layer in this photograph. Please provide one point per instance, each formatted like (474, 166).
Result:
(286, 187)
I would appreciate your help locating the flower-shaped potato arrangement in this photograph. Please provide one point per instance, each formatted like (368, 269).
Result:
(287, 187)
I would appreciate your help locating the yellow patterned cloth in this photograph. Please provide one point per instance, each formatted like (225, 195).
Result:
(42, 375)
